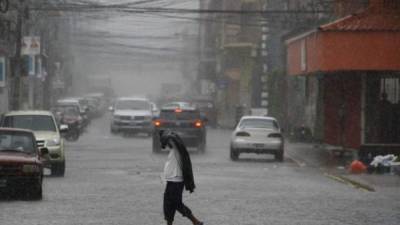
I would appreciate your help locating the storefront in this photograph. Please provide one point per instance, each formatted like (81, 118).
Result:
(355, 62)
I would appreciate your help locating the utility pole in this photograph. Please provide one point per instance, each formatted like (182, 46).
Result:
(17, 72)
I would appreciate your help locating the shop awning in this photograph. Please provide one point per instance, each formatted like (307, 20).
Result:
(366, 41)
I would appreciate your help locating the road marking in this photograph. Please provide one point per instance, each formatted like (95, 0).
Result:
(350, 182)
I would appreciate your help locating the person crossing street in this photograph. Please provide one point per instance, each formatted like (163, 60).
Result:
(178, 175)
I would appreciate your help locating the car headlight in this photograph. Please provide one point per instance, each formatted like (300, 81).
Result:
(30, 169)
(53, 142)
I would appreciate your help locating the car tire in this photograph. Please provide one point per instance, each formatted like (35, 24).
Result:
(36, 193)
(279, 156)
(58, 169)
(234, 154)
(156, 145)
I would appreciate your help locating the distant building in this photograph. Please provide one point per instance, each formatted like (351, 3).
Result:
(228, 56)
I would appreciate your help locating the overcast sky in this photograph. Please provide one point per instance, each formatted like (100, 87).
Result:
(140, 51)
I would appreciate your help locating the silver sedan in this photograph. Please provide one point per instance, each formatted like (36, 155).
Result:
(260, 135)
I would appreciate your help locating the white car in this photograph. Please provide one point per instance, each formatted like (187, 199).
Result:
(132, 114)
(257, 134)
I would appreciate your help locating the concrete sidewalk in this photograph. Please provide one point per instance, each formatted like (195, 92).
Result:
(336, 167)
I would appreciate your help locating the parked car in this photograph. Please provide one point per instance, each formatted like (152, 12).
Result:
(21, 167)
(69, 115)
(97, 102)
(80, 101)
(131, 115)
(47, 133)
(260, 135)
(83, 110)
(186, 122)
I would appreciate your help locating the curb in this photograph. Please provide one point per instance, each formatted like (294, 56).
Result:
(351, 182)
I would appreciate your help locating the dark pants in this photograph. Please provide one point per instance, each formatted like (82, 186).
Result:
(173, 201)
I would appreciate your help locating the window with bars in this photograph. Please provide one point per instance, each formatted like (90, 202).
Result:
(382, 109)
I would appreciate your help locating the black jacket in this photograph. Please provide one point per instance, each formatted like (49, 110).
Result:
(188, 179)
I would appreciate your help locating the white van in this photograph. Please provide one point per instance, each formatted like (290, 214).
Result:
(132, 114)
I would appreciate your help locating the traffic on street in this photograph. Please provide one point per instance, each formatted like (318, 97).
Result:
(112, 179)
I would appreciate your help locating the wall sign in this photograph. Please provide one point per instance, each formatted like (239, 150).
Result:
(30, 46)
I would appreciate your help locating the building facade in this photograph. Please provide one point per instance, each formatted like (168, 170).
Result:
(34, 57)
(7, 51)
(354, 66)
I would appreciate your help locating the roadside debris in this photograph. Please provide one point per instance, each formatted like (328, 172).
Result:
(383, 164)
(357, 167)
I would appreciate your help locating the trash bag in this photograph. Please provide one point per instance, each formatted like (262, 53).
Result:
(357, 167)
(386, 160)
(382, 164)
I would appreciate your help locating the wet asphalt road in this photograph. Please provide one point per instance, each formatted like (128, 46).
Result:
(116, 180)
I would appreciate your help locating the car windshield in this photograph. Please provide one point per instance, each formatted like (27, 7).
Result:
(132, 105)
(181, 115)
(259, 123)
(17, 141)
(31, 122)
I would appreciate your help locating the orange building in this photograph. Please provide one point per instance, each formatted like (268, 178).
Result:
(355, 62)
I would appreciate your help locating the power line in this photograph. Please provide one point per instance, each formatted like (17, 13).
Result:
(129, 9)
